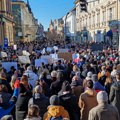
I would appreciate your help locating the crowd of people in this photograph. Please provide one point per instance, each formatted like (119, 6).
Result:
(84, 89)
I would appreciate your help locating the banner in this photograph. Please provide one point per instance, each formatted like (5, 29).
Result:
(54, 56)
(8, 65)
(38, 62)
(24, 59)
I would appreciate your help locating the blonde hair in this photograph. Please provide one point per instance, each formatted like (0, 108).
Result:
(13, 79)
(33, 111)
(75, 68)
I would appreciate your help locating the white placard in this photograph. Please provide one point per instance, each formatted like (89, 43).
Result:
(15, 47)
(54, 56)
(25, 53)
(3, 54)
(8, 65)
(24, 59)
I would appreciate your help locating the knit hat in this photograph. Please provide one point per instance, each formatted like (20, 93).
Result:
(89, 74)
(54, 100)
(7, 117)
(94, 78)
(38, 89)
(102, 96)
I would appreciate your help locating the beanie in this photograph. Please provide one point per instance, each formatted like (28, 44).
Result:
(54, 100)
(94, 78)
(102, 96)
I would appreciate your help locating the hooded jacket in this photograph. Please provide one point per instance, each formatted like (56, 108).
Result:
(114, 96)
(86, 102)
(41, 100)
(55, 111)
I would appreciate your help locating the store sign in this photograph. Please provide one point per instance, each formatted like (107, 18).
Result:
(5, 42)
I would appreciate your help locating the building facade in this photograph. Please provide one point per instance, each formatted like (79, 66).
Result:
(70, 24)
(26, 26)
(102, 16)
(6, 22)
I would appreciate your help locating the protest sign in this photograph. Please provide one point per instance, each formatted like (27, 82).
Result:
(8, 65)
(66, 56)
(38, 62)
(54, 56)
(24, 59)
(3, 54)
(25, 53)
(63, 50)
(48, 57)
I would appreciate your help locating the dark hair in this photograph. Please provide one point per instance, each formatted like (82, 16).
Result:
(33, 111)
(89, 84)
(66, 86)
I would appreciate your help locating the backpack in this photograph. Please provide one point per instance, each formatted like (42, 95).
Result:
(56, 118)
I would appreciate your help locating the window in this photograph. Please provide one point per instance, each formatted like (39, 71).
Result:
(104, 16)
(110, 14)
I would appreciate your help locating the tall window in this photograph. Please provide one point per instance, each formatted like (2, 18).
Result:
(110, 14)
(104, 16)
(98, 17)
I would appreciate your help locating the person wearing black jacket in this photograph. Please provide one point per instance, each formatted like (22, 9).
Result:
(23, 98)
(69, 101)
(56, 86)
(40, 100)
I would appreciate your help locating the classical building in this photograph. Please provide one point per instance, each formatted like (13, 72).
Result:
(26, 26)
(70, 24)
(6, 22)
(102, 17)
(58, 26)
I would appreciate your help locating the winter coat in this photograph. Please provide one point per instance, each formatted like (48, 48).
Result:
(103, 112)
(32, 77)
(33, 118)
(55, 111)
(41, 101)
(98, 86)
(22, 102)
(69, 102)
(114, 96)
(12, 102)
(5, 100)
(86, 102)
(56, 87)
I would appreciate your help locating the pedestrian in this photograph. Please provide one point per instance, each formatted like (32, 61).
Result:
(23, 98)
(87, 100)
(114, 96)
(33, 113)
(103, 110)
(40, 100)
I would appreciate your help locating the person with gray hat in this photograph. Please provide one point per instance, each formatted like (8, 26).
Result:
(103, 110)
(40, 100)
(114, 96)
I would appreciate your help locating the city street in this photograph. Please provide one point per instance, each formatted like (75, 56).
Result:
(59, 60)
